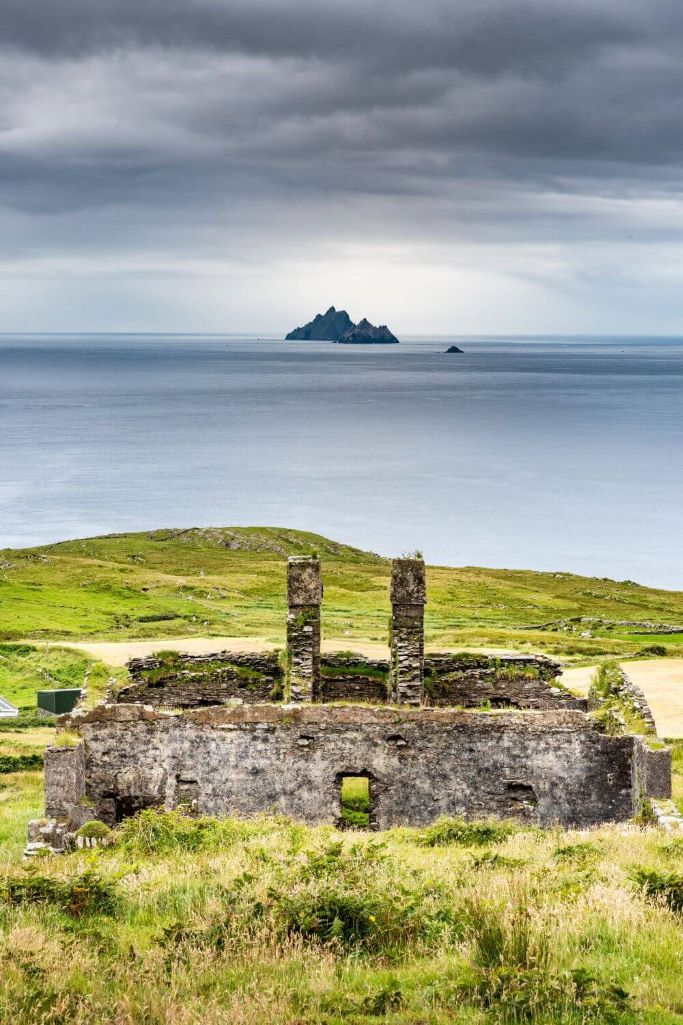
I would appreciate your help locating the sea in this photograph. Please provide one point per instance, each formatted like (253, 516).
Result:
(546, 453)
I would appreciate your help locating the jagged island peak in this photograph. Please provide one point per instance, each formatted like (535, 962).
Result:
(337, 326)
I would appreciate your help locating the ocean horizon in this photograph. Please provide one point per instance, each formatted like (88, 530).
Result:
(554, 453)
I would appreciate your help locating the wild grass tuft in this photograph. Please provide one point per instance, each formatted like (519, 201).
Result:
(666, 887)
(459, 831)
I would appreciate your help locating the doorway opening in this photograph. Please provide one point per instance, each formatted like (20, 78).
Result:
(355, 802)
(126, 807)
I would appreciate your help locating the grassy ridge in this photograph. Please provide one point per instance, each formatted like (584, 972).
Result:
(231, 581)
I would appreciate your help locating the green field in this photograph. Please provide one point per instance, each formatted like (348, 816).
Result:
(270, 921)
(231, 581)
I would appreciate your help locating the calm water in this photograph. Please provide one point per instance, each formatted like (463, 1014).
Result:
(557, 454)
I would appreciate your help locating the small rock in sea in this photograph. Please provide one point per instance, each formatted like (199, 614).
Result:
(454, 348)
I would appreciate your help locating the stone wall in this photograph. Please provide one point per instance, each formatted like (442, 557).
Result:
(353, 678)
(194, 681)
(304, 595)
(464, 680)
(631, 692)
(507, 681)
(651, 771)
(408, 598)
(541, 767)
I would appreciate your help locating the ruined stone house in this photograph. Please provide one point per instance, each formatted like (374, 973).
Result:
(433, 734)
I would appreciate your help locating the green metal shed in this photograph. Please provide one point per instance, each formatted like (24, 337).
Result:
(58, 701)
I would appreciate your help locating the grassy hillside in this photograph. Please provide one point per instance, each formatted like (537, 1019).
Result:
(270, 921)
(231, 581)
(25, 669)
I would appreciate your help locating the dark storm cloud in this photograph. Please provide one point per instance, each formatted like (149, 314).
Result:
(467, 110)
(483, 35)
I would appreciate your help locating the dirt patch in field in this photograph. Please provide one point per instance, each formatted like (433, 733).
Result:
(119, 653)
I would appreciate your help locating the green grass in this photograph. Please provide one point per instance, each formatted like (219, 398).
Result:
(27, 668)
(231, 581)
(21, 799)
(355, 802)
(269, 920)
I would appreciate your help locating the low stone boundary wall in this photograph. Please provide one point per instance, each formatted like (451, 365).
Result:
(632, 692)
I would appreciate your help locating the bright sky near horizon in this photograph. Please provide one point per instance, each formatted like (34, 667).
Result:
(451, 166)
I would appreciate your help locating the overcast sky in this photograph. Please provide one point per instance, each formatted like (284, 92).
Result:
(442, 166)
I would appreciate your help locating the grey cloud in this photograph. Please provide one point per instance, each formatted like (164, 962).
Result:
(483, 35)
(448, 118)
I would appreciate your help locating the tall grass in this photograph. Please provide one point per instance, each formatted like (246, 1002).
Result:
(269, 920)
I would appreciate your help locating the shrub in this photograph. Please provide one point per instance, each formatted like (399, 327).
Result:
(662, 886)
(449, 831)
(213, 937)
(377, 918)
(169, 832)
(654, 649)
(513, 977)
(606, 680)
(357, 897)
(338, 861)
(20, 763)
(85, 894)
(375, 1004)
(581, 853)
(28, 719)
(492, 859)
(333, 914)
(513, 995)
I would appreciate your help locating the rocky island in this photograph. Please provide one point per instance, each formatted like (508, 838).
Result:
(325, 327)
(337, 326)
(453, 348)
(365, 333)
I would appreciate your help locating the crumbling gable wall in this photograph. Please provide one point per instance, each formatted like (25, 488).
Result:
(195, 681)
(539, 767)
(507, 681)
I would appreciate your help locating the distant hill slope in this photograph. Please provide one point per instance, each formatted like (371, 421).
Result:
(231, 582)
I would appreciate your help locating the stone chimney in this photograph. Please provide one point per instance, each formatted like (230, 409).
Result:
(304, 595)
(408, 599)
